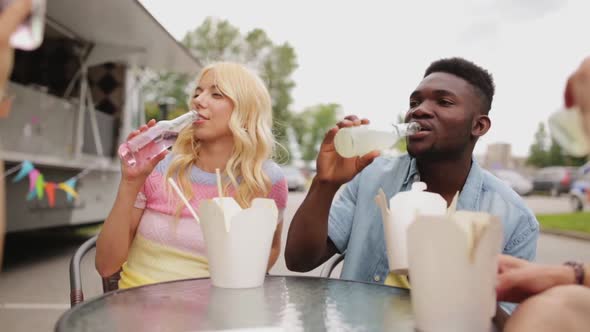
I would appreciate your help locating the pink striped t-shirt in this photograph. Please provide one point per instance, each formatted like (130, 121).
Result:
(158, 223)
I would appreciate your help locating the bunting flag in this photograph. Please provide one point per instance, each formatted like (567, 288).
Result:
(31, 195)
(38, 187)
(50, 191)
(25, 168)
(33, 175)
(68, 187)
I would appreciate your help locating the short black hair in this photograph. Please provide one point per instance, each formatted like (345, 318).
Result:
(478, 77)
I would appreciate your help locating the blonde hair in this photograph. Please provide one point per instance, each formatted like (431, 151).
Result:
(251, 126)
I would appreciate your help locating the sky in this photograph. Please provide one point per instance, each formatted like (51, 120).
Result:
(368, 56)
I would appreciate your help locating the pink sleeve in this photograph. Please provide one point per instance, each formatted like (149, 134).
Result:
(146, 191)
(279, 193)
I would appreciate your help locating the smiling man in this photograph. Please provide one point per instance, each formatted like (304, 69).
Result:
(451, 103)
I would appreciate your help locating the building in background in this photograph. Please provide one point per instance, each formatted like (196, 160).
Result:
(498, 156)
(499, 160)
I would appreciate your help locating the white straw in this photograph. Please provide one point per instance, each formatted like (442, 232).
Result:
(219, 191)
(183, 198)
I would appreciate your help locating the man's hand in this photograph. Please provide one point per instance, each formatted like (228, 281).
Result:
(519, 279)
(10, 18)
(577, 92)
(331, 167)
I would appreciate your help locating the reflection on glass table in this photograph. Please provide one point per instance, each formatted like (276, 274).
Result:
(282, 303)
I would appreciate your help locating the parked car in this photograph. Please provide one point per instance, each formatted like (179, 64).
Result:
(580, 190)
(555, 180)
(515, 180)
(295, 179)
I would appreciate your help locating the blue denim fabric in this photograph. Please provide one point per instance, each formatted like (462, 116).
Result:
(355, 224)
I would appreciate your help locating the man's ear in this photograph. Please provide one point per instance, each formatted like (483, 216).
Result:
(481, 125)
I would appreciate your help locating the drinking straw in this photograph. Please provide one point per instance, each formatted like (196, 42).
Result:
(183, 198)
(219, 191)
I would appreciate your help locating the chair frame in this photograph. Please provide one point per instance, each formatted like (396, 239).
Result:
(76, 293)
(330, 265)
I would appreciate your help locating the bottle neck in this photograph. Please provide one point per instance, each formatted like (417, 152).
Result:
(406, 129)
(182, 121)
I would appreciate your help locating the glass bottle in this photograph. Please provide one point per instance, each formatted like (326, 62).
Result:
(156, 139)
(357, 141)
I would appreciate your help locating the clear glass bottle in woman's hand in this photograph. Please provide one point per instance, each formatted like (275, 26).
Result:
(156, 139)
(357, 141)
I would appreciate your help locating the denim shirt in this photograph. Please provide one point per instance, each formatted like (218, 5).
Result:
(355, 223)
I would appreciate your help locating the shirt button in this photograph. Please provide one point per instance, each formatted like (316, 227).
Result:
(376, 278)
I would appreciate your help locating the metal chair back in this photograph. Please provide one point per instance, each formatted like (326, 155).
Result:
(330, 265)
(76, 293)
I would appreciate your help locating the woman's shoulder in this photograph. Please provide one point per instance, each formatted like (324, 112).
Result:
(196, 175)
(273, 171)
(269, 167)
(279, 189)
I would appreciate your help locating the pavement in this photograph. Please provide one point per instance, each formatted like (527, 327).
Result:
(549, 205)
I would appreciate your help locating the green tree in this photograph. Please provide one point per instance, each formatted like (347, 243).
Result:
(538, 155)
(152, 111)
(558, 157)
(276, 70)
(165, 85)
(543, 154)
(575, 161)
(311, 125)
(214, 40)
(555, 155)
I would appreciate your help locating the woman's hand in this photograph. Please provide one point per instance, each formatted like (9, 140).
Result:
(577, 92)
(136, 175)
(10, 18)
(519, 279)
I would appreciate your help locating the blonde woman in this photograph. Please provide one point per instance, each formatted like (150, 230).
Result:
(153, 238)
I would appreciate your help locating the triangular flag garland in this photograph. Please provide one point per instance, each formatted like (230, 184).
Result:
(33, 175)
(68, 187)
(38, 187)
(50, 191)
(25, 168)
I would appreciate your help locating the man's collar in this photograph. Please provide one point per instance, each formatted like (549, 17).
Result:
(412, 171)
(469, 196)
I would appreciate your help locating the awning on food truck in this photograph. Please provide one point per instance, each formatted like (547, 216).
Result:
(121, 31)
